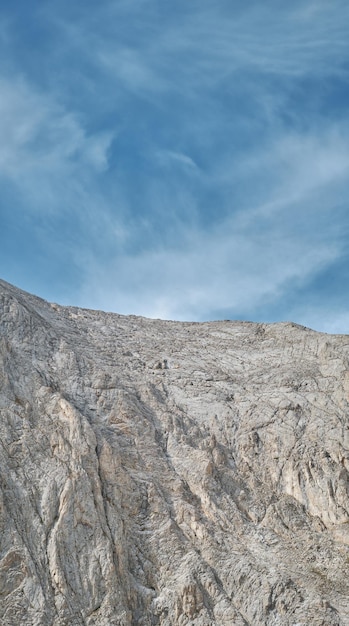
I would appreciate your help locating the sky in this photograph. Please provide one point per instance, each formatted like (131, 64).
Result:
(178, 160)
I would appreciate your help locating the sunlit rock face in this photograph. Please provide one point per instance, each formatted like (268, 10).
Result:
(166, 473)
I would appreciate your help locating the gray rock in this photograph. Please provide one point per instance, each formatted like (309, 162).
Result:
(166, 473)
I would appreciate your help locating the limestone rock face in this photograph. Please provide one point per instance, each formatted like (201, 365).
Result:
(166, 473)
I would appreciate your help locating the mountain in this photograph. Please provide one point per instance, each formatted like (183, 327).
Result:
(169, 473)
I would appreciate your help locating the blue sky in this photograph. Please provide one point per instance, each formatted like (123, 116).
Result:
(182, 160)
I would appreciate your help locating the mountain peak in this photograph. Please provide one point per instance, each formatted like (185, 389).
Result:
(170, 473)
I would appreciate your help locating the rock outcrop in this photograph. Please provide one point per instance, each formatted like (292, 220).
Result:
(167, 473)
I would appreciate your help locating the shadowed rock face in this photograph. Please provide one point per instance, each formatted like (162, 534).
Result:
(161, 473)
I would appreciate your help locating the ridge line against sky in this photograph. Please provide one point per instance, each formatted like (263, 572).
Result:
(183, 161)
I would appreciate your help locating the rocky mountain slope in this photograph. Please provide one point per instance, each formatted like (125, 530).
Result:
(166, 473)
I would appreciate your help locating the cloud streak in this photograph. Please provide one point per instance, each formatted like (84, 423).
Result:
(187, 161)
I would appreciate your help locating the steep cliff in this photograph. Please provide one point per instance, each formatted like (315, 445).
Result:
(167, 473)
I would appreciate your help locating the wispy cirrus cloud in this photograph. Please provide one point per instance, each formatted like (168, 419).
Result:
(192, 158)
(233, 270)
(38, 134)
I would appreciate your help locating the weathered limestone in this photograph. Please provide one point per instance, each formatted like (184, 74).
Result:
(166, 473)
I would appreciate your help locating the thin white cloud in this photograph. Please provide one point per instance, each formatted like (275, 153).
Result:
(234, 268)
(262, 37)
(38, 135)
(219, 207)
(150, 53)
(171, 157)
(294, 168)
(252, 256)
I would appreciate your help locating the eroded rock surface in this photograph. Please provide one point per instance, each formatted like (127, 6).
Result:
(166, 473)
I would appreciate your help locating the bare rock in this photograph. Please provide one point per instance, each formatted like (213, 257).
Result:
(166, 473)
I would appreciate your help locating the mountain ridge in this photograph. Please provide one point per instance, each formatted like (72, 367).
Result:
(162, 472)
